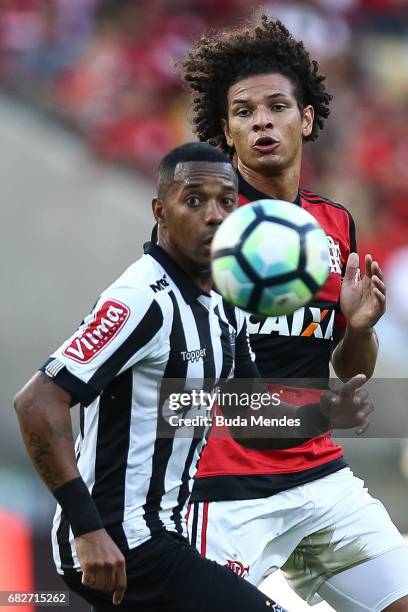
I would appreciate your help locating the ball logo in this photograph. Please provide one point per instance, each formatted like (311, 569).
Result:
(96, 334)
(238, 568)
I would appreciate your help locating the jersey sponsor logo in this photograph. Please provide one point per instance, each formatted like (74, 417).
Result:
(334, 255)
(99, 332)
(193, 356)
(237, 567)
(307, 322)
(160, 284)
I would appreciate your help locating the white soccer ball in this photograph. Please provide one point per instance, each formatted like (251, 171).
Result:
(269, 257)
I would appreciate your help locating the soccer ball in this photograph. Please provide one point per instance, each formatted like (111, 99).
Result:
(269, 257)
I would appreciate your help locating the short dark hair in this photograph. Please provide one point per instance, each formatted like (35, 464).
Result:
(219, 61)
(189, 152)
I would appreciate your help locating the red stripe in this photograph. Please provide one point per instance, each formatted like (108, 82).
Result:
(204, 529)
(188, 512)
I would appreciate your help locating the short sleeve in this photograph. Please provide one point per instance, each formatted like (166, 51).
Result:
(120, 331)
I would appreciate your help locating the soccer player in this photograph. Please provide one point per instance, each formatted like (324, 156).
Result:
(155, 331)
(258, 96)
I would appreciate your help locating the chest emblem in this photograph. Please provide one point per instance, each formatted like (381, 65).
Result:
(334, 255)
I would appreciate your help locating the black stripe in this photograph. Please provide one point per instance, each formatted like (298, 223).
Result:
(230, 313)
(112, 447)
(140, 336)
(176, 370)
(316, 199)
(194, 526)
(184, 491)
(201, 317)
(227, 351)
(352, 235)
(82, 420)
(257, 486)
(67, 561)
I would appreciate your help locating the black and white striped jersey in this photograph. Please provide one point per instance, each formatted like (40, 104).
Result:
(151, 325)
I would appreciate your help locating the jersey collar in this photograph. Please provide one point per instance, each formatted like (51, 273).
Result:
(252, 194)
(187, 288)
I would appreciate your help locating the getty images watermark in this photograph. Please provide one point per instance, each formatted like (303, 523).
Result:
(195, 408)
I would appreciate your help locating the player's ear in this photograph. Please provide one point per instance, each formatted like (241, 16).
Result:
(159, 211)
(307, 122)
(227, 133)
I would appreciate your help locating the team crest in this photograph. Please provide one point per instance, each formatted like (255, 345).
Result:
(238, 568)
(334, 255)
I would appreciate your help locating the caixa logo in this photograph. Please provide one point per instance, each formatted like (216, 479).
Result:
(193, 356)
(95, 334)
(309, 322)
(238, 568)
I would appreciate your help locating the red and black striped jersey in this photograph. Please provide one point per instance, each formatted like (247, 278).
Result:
(286, 348)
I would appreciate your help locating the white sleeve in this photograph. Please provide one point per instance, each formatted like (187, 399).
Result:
(120, 331)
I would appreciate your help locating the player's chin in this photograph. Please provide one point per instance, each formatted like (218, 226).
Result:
(202, 257)
(264, 160)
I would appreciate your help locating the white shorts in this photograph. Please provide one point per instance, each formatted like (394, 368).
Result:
(316, 533)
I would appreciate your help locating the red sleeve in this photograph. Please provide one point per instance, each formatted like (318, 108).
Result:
(340, 320)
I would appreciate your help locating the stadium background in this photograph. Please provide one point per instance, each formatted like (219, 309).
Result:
(89, 102)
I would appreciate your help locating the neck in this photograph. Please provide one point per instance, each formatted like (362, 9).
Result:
(281, 185)
(199, 275)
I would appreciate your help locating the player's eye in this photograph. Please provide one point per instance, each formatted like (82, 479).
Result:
(243, 112)
(279, 107)
(229, 202)
(193, 201)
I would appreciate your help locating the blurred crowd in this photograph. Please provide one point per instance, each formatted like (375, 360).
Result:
(107, 68)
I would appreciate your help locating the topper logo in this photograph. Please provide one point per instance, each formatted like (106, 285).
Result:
(194, 355)
(97, 334)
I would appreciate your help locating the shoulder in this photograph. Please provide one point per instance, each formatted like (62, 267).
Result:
(314, 198)
(331, 215)
(142, 287)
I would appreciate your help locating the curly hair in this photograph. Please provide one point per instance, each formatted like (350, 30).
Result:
(219, 61)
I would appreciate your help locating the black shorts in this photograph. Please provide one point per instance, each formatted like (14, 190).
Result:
(166, 574)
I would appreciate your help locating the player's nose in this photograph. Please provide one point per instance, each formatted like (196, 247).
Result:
(262, 119)
(214, 213)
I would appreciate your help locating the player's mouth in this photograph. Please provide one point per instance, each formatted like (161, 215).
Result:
(265, 144)
(207, 241)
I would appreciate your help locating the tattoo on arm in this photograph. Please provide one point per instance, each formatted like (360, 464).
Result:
(60, 430)
(40, 453)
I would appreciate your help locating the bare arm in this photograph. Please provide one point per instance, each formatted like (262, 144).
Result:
(355, 351)
(363, 303)
(43, 410)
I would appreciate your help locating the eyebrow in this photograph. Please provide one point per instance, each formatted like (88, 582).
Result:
(279, 94)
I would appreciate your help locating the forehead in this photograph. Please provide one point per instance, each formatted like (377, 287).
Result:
(260, 87)
(201, 171)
